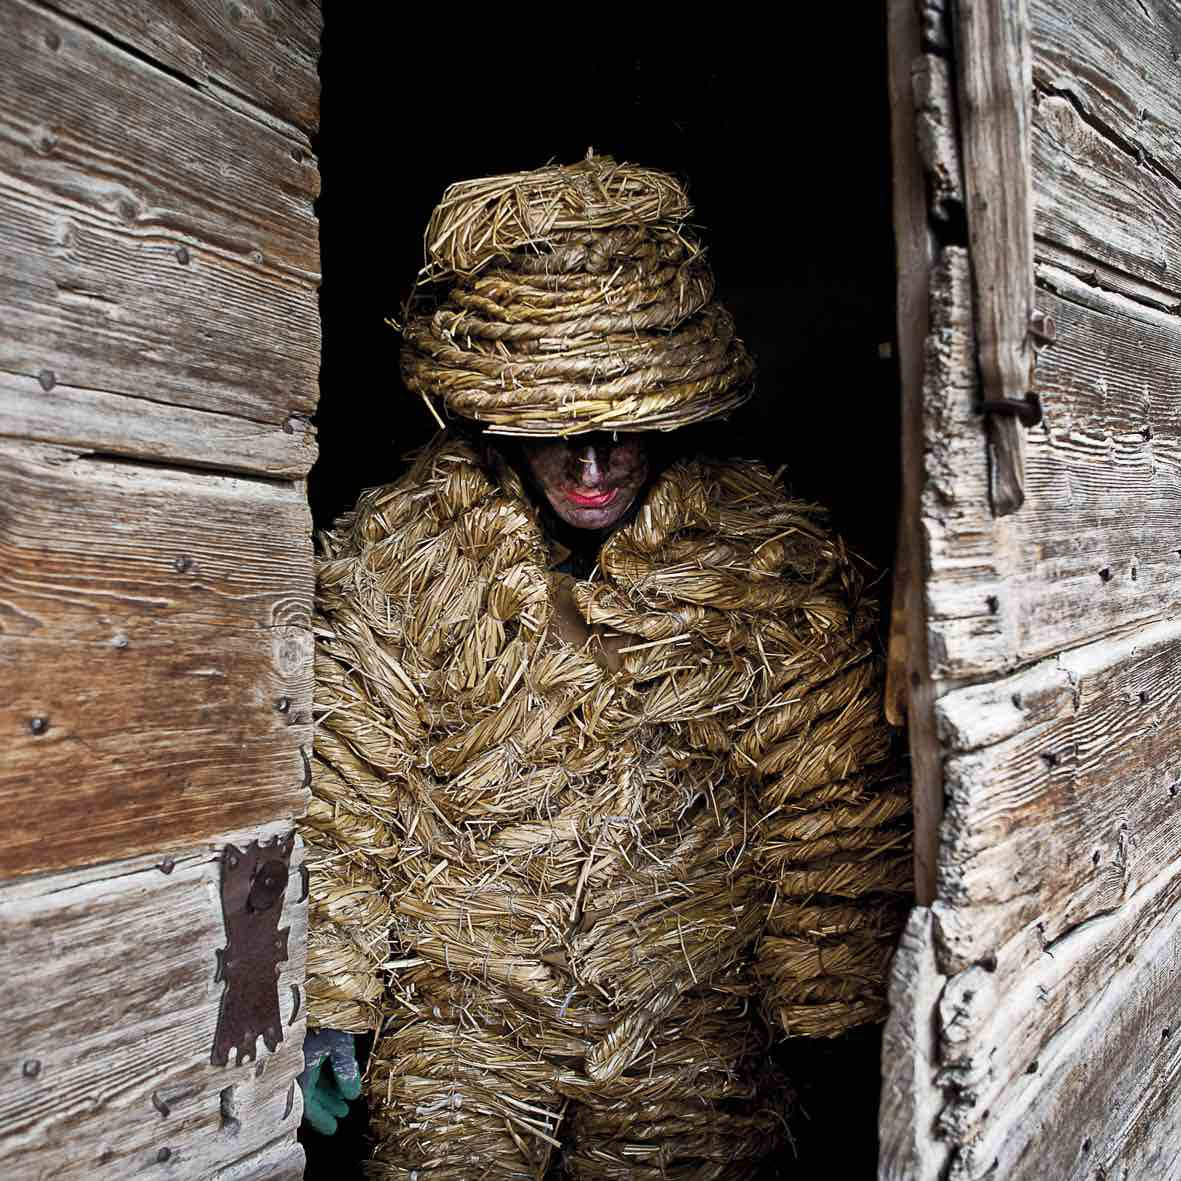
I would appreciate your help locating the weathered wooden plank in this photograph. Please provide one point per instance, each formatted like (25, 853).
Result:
(1095, 550)
(1108, 171)
(911, 1100)
(171, 255)
(283, 1161)
(155, 656)
(913, 252)
(995, 1023)
(1099, 1099)
(114, 424)
(1094, 197)
(1099, 274)
(108, 1007)
(265, 52)
(1108, 469)
(993, 75)
(1034, 831)
(1120, 62)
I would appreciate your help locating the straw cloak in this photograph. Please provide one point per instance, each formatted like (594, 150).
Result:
(577, 845)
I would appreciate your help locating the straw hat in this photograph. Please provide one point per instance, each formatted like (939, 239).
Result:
(571, 299)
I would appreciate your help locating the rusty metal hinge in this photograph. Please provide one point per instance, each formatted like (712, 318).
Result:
(253, 883)
(1027, 410)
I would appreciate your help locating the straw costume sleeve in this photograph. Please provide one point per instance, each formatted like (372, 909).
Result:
(777, 688)
(834, 832)
(382, 627)
(346, 832)
(433, 602)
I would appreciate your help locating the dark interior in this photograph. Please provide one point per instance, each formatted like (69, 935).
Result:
(784, 139)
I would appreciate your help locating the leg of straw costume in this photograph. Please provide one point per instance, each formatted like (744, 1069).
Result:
(577, 848)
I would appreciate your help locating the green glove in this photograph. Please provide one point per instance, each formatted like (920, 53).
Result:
(330, 1079)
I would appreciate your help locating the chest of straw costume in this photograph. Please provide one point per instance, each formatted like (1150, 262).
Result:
(564, 840)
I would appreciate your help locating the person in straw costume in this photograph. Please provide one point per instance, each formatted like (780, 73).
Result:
(603, 792)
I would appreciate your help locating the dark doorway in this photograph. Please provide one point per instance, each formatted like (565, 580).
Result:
(783, 137)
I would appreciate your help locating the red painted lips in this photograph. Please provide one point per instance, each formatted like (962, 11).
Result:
(590, 499)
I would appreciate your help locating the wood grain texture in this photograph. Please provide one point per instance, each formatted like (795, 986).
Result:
(911, 1097)
(994, 81)
(264, 52)
(157, 244)
(1095, 198)
(1055, 650)
(281, 1161)
(1121, 63)
(1101, 1014)
(155, 656)
(1035, 832)
(914, 253)
(140, 429)
(108, 1007)
(995, 1025)
(1095, 551)
(1107, 155)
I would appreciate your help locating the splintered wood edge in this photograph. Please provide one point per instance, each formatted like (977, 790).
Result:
(1095, 1072)
(911, 1097)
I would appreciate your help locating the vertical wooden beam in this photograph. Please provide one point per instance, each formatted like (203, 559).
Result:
(995, 79)
(913, 251)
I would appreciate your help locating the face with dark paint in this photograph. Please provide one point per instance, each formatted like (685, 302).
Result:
(590, 480)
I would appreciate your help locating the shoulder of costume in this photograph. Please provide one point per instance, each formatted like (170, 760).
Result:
(445, 479)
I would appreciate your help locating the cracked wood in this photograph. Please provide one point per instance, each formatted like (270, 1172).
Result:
(168, 258)
(141, 429)
(108, 1007)
(1095, 550)
(155, 656)
(995, 1026)
(911, 1098)
(263, 51)
(1097, 1024)
(1035, 832)
(1107, 162)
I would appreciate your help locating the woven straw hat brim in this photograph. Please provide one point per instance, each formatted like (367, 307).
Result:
(570, 300)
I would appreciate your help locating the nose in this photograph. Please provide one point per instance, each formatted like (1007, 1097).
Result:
(587, 467)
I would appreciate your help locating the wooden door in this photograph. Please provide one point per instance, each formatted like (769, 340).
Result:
(1036, 1030)
(159, 348)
